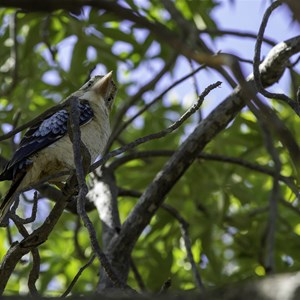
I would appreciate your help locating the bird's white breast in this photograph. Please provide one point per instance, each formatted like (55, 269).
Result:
(59, 156)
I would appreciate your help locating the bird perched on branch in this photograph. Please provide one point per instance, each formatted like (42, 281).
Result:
(46, 148)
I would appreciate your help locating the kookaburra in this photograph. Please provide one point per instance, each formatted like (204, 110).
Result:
(46, 148)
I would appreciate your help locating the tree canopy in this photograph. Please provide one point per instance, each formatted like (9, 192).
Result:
(198, 188)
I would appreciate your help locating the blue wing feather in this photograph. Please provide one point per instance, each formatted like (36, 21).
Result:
(55, 124)
(41, 135)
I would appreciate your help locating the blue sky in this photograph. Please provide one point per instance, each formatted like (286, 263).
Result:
(243, 15)
(246, 15)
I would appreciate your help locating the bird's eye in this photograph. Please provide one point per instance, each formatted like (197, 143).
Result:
(89, 84)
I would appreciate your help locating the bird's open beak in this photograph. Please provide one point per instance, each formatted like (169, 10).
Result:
(102, 86)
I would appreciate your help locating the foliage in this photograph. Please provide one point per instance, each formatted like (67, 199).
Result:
(49, 55)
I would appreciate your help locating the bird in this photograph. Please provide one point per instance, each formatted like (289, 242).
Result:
(46, 148)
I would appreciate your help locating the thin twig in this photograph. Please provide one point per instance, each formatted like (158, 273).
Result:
(196, 88)
(128, 193)
(189, 39)
(77, 247)
(19, 224)
(257, 78)
(136, 97)
(151, 103)
(268, 238)
(289, 181)
(9, 235)
(36, 260)
(159, 134)
(28, 220)
(294, 84)
(236, 33)
(139, 155)
(79, 149)
(37, 237)
(279, 128)
(187, 242)
(137, 275)
(273, 203)
(293, 64)
(75, 279)
(34, 272)
(289, 205)
(248, 61)
(165, 287)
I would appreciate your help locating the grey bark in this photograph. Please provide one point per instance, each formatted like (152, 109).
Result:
(121, 245)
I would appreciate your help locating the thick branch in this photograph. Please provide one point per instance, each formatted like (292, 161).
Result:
(271, 70)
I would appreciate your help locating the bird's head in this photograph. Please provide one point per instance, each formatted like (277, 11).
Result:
(100, 90)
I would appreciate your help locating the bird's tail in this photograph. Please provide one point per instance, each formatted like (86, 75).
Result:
(9, 198)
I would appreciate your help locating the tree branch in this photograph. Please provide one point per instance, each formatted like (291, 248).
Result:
(82, 161)
(184, 225)
(137, 97)
(236, 33)
(289, 181)
(271, 70)
(293, 104)
(75, 279)
(37, 237)
(159, 134)
(147, 106)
